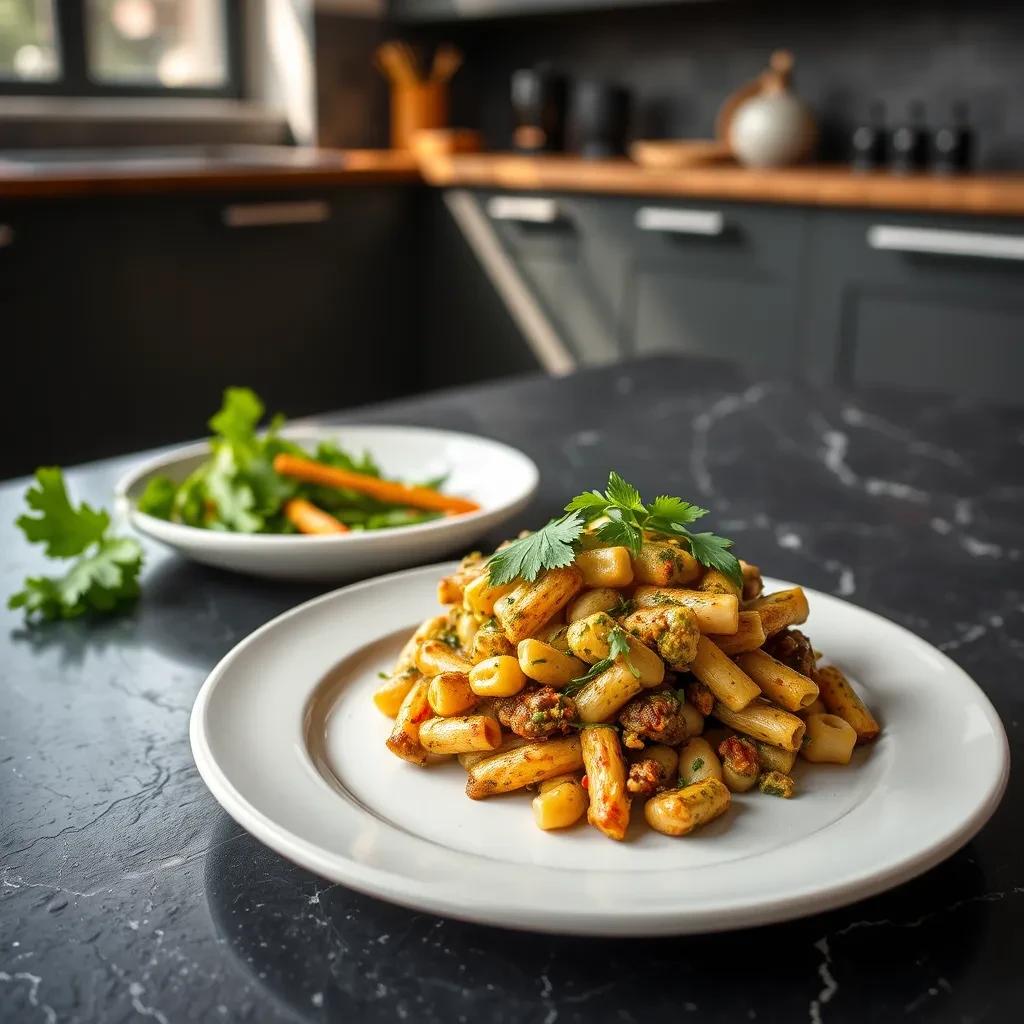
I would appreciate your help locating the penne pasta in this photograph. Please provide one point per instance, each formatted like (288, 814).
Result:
(752, 582)
(781, 609)
(677, 812)
(606, 780)
(787, 687)
(529, 606)
(435, 656)
(716, 613)
(602, 698)
(547, 665)
(450, 694)
(601, 599)
(451, 588)
(460, 735)
(405, 734)
(509, 741)
(840, 698)
(605, 567)
(829, 740)
(589, 641)
(715, 582)
(763, 721)
(389, 695)
(480, 596)
(749, 635)
(724, 678)
(523, 766)
(664, 565)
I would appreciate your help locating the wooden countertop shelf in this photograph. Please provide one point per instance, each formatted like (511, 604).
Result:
(825, 185)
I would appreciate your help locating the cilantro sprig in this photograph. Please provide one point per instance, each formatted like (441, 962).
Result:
(105, 573)
(618, 647)
(626, 519)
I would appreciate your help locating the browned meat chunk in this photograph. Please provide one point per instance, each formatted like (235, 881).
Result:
(646, 777)
(700, 697)
(792, 648)
(740, 755)
(537, 714)
(654, 717)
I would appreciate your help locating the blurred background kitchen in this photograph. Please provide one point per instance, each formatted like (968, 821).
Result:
(342, 201)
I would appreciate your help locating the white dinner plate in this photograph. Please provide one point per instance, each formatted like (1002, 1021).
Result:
(499, 478)
(286, 736)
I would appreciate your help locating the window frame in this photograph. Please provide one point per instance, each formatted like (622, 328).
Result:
(74, 79)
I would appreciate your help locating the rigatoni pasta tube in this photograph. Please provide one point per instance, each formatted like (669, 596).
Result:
(749, 635)
(547, 665)
(460, 735)
(405, 734)
(763, 721)
(606, 780)
(605, 567)
(724, 678)
(778, 682)
(841, 699)
(716, 613)
(716, 582)
(508, 742)
(523, 611)
(480, 596)
(588, 640)
(664, 565)
(532, 762)
(435, 656)
(607, 693)
(560, 802)
(829, 740)
(450, 694)
(679, 811)
(389, 695)
(600, 599)
(781, 609)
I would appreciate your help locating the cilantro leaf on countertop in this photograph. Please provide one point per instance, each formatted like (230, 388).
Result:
(550, 547)
(104, 575)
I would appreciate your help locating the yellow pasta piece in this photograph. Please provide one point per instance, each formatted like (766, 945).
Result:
(679, 811)
(724, 678)
(749, 635)
(490, 641)
(716, 613)
(815, 708)
(460, 735)
(435, 656)
(601, 599)
(752, 582)
(698, 761)
(606, 694)
(693, 718)
(389, 695)
(497, 677)
(606, 780)
(763, 721)
(841, 699)
(741, 763)
(605, 567)
(509, 741)
(450, 588)
(526, 609)
(450, 694)
(480, 596)
(523, 766)
(715, 582)
(547, 665)
(667, 758)
(588, 640)
(561, 802)
(405, 734)
(781, 609)
(664, 565)
(778, 682)
(829, 740)
(775, 759)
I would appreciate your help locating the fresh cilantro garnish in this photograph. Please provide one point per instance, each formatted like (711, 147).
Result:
(627, 517)
(550, 547)
(618, 646)
(105, 574)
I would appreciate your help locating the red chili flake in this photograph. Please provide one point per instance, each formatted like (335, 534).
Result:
(585, 782)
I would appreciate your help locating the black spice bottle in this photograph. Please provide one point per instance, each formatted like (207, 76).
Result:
(908, 143)
(952, 149)
(868, 143)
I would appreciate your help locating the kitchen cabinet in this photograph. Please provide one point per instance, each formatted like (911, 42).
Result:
(927, 302)
(152, 306)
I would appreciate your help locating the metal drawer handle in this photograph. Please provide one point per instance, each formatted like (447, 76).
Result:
(6, 235)
(259, 215)
(525, 209)
(680, 222)
(937, 242)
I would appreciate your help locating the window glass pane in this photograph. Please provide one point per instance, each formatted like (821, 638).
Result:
(172, 43)
(28, 43)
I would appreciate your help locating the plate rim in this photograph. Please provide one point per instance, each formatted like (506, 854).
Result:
(392, 888)
(181, 533)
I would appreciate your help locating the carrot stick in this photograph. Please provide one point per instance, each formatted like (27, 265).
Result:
(307, 518)
(383, 490)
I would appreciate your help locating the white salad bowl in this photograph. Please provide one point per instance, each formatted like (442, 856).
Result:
(499, 478)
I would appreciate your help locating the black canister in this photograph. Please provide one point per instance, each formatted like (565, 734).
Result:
(952, 149)
(598, 119)
(908, 143)
(538, 104)
(869, 140)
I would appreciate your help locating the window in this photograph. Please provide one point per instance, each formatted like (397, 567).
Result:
(121, 47)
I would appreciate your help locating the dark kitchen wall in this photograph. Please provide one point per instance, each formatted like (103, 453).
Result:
(681, 61)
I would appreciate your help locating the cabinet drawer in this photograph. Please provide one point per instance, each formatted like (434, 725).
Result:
(933, 303)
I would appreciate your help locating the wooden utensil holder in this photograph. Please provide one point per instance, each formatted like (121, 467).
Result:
(416, 106)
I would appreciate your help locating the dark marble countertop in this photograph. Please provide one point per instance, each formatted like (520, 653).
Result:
(127, 893)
